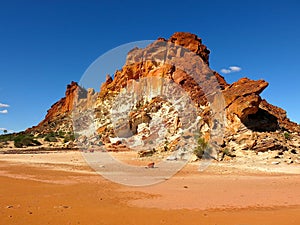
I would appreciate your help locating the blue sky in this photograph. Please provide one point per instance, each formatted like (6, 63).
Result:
(44, 45)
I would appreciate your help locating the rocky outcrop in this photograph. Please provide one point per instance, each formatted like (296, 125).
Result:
(58, 116)
(147, 63)
(65, 105)
(191, 42)
(242, 97)
(280, 114)
(243, 87)
(252, 123)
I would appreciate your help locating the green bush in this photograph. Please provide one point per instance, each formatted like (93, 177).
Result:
(226, 152)
(36, 142)
(18, 144)
(287, 135)
(202, 147)
(50, 138)
(61, 134)
(7, 137)
(41, 135)
(27, 141)
(69, 137)
(24, 140)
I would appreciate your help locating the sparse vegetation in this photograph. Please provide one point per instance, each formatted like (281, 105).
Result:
(203, 149)
(51, 137)
(287, 135)
(69, 137)
(24, 140)
(226, 152)
(61, 134)
(54, 136)
(7, 137)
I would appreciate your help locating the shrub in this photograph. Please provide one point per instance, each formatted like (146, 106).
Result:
(202, 148)
(61, 134)
(27, 141)
(50, 138)
(69, 137)
(23, 140)
(7, 137)
(18, 144)
(226, 152)
(41, 135)
(287, 135)
(36, 142)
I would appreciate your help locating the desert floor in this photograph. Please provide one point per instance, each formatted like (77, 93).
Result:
(60, 188)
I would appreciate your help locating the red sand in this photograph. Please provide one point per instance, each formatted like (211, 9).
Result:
(36, 194)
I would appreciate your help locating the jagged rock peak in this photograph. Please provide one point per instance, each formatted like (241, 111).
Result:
(60, 109)
(191, 42)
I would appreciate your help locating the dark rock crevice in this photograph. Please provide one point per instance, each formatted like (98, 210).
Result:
(261, 121)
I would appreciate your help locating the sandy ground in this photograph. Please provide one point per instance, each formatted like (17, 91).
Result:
(60, 188)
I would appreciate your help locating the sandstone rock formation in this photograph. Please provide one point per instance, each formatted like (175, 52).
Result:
(251, 122)
(191, 42)
(58, 116)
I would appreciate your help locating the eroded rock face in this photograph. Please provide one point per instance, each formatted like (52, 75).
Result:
(191, 42)
(252, 123)
(242, 88)
(66, 104)
(151, 62)
(58, 116)
(242, 97)
(281, 116)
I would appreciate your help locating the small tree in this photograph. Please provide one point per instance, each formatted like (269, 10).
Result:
(5, 131)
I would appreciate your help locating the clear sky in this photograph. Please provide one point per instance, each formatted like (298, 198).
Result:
(44, 45)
